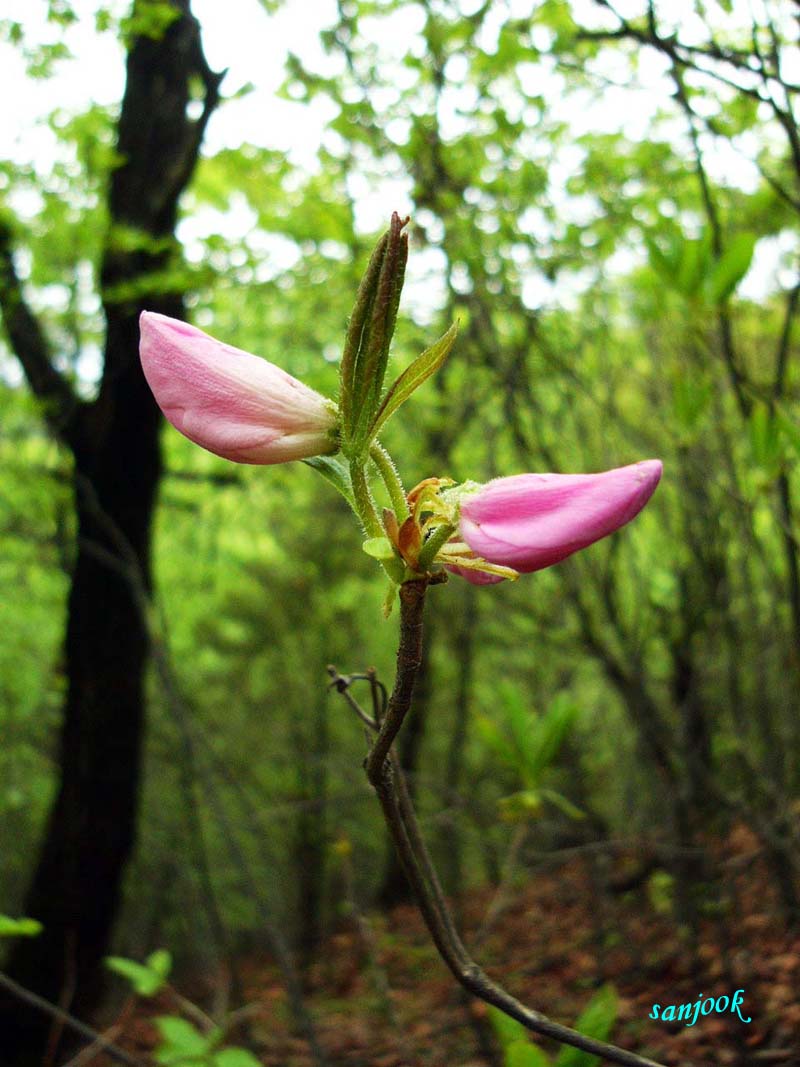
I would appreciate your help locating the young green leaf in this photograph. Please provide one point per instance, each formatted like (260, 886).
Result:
(335, 471)
(596, 1021)
(160, 963)
(518, 1049)
(694, 264)
(19, 927)
(234, 1057)
(508, 1030)
(378, 548)
(413, 377)
(732, 266)
(526, 1054)
(183, 1044)
(551, 731)
(145, 981)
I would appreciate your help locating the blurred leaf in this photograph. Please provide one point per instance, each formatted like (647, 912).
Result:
(19, 927)
(765, 442)
(508, 1030)
(596, 1021)
(550, 732)
(145, 979)
(558, 800)
(183, 1044)
(729, 270)
(235, 1057)
(661, 892)
(521, 806)
(526, 1054)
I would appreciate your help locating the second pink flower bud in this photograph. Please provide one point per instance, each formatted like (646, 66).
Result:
(531, 521)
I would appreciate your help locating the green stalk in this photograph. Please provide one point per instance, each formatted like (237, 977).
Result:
(364, 504)
(440, 536)
(391, 479)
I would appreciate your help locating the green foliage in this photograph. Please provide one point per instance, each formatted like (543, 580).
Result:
(597, 1020)
(661, 892)
(528, 744)
(183, 1045)
(150, 18)
(146, 978)
(19, 927)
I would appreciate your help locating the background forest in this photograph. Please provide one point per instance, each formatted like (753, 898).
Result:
(605, 755)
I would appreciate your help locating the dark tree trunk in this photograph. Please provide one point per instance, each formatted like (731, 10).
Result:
(75, 890)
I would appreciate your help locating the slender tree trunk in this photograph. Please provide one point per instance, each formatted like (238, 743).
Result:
(75, 890)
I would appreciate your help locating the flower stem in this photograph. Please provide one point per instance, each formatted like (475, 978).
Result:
(440, 536)
(362, 497)
(391, 479)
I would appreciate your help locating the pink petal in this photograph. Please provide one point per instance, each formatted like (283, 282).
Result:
(229, 401)
(531, 521)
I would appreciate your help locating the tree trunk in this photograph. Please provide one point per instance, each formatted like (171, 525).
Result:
(75, 890)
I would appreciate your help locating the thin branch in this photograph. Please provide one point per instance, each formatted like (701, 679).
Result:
(386, 776)
(70, 1022)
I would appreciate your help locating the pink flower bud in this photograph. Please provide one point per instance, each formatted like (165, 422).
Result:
(531, 521)
(234, 404)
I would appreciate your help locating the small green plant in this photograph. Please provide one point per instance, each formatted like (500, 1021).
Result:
(528, 745)
(146, 978)
(182, 1044)
(597, 1021)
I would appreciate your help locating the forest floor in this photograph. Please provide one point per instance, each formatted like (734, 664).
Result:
(380, 996)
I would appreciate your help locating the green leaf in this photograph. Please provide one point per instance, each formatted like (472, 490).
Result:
(335, 471)
(765, 441)
(558, 800)
(235, 1057)
(182, 1042)
(551, 732)
(665, 264)
(378, 548)
(690, 400)
(19, 927)
(413, 377)
(521, 806)
(493, 737)
(732, 266)
(789, 430)
(526, 1054)
(596, 1021)
(143, 979)
(508, 1030)
(515, 1039)
(661, 892)
(694, 264)
(160, 962)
